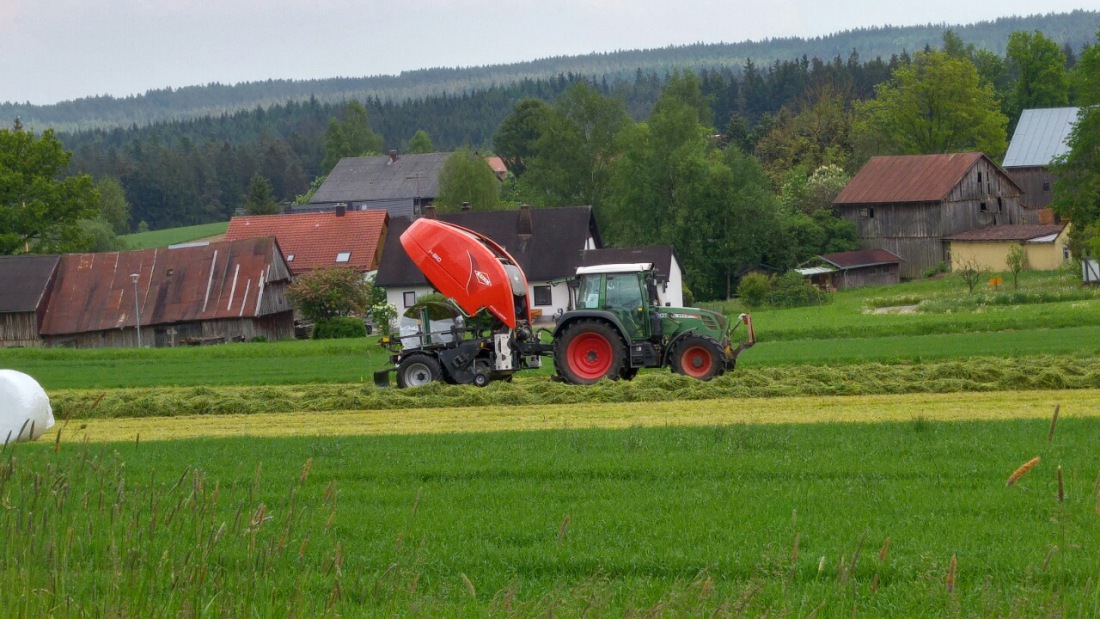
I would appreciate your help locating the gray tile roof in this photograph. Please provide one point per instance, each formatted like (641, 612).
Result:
(1040, 136)
(24, 280)
(363, 179)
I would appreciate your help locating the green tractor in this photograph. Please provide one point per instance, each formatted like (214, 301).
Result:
(618, 326)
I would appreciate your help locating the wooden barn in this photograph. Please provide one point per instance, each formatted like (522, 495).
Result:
(1040, 137)
(195, 294)
(25, 283)
(908, 204)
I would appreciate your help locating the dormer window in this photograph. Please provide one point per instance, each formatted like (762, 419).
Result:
(343, 256)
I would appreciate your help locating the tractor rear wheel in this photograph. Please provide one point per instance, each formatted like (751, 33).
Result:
(418, 370)
(589, 350)
(698, 357)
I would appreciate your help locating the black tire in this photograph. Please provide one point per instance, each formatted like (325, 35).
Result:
(629, 373)
(418, 370)
(589, 350)
(698, 357)
(481, 379)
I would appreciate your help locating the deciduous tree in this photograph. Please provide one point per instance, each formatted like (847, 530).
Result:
(420, 143)
(936, 104)
(466, 177)
(323, 294)
(40, 208)
(1040, 71)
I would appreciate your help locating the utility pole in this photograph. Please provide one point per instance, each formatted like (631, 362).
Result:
(137, 309)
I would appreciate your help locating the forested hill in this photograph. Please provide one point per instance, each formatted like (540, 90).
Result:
(1067, 29)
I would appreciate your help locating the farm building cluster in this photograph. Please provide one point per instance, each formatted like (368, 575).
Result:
(912, 213)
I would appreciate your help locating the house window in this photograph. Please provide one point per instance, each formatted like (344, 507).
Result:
(979, 177)
(983, 207)
(867, 213)
(543, 296)
(1046, 185)
(1065, 253)
(409, 298)
(343, 256)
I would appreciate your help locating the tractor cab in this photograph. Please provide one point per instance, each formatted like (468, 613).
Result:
(628, 291)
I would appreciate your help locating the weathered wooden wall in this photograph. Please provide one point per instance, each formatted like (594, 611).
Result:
(1037, 185)
(19, 330)
(877, 275)
(274, 327)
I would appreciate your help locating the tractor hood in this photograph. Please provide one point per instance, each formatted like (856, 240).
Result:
(468, 267)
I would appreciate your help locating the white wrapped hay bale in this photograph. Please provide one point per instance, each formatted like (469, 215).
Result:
(23, 403)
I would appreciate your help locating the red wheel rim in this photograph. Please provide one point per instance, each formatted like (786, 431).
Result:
(696, 361)
(589, 356)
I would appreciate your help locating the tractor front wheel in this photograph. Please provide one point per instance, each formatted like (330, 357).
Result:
(589, 350)
(698, 357)
(418, 370)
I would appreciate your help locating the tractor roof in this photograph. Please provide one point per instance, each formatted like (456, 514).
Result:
(633, 267)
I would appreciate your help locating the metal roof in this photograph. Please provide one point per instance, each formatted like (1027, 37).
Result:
(861, 258)
(1040, 136)
(1019, 232)
(660, 256)
(360, 179)
(908, 178)
(807, 271)
(95, 292)
(634, 267)
(316, 239)
(24, 281)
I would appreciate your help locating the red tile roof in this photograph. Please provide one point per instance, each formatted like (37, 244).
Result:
(95, 292)
(1021, 232)
(861, 258)
(907, 178)
(313, 240)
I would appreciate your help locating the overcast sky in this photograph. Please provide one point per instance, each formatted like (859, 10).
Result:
(54, 50)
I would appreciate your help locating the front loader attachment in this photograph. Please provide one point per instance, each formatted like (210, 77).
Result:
(732, 354)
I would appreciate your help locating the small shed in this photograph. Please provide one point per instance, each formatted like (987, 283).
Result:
(1046, 247)
(204, 293)
(854, 269)
(25, 283)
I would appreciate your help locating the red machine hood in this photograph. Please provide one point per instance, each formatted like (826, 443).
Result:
(467, 267)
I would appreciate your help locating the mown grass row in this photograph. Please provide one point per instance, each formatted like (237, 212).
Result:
(976, 374)
(895, 519)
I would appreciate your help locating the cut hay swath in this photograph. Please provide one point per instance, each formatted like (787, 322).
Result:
(780, 410)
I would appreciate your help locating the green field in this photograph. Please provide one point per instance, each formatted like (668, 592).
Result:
(848, 463)
(698, 521)
(164, 238)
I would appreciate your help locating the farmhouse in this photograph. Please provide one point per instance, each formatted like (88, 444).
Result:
(314, 240)
(25, 282)
(908, 204)
(1040, 137)
(1046, 247)
(854, 269)
(216, 292)
(549, 244)
(402, 185)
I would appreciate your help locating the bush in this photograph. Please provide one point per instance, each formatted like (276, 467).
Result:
(754, 289)
(792, 290)
(338, 328)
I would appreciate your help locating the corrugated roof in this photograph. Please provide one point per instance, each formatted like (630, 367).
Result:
(1040, 136)
(359, 179)
(553, 250)
(314, 240)
(1019, 232)
(861, 258)
(907, 178)
(95, 292)
(23, 281)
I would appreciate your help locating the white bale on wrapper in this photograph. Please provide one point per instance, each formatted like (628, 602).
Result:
(23, 402)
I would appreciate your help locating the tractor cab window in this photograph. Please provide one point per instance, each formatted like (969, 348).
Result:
(624, 292)
(588, 296)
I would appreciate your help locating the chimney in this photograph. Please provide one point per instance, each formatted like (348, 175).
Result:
(341, 209)
(429, 211)
(524, 224)
(393, 157)
(465, 207)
